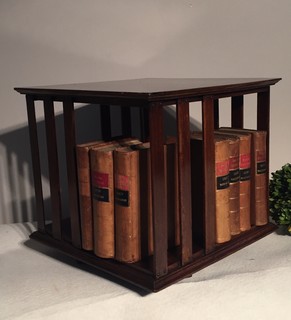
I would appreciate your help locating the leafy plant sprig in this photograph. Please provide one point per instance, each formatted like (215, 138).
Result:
(280, 196)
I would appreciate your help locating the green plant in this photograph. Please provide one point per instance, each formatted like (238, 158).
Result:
(280, 196)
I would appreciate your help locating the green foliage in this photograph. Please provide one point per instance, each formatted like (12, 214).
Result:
(280, 196)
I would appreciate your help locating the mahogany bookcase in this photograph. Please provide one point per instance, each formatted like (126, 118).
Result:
(150, 96)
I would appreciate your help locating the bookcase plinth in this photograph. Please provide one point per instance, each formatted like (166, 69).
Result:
(195, 244)
(143, 278)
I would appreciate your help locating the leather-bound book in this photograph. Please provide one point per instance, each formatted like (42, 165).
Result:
(127, 205)
(85, 198)
(259, 179)
(222, 212)
(245, 168)
(234, 180)
(102, 177)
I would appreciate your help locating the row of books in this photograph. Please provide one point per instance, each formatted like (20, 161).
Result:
(115, 191)
(241, 199)
(115, 198)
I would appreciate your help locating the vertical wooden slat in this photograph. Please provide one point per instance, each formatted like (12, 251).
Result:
(144, 123)
(126, 121)
(209, 173)
(184, 177)
(70, 139)
(156, 127)
(263, 123)
(237, 112)
(105, 122)
(40, 216)
(216, 114)
(53, 167)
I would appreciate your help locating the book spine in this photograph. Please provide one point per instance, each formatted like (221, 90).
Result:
(103, 202)
(261, 217)
(245, 183)
(234, 190)
(85, 200)
(127, 206)
(223, 233)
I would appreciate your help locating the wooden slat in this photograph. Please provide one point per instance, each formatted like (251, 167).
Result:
(184, 177)
(263, 123)
(126, 121)
(70, 139)
(216, 113)
(105, 121)
(237, 112)
(156, 127)
(209, 173)
(144, 123)
(40, 215)
(53, 167)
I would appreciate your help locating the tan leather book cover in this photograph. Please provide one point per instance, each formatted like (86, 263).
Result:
(222, 205)
(102, 177)
(234, 180)
(259, 179)
(85, 198)
(127, 205)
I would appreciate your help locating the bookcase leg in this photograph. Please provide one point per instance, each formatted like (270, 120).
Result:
(156, 127)
(184, 177)
(237, 112)
(35, 163)
(70, 139)
(209, 173)
(53, 167)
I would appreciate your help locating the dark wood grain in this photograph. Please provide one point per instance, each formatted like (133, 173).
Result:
(184, 177)
(153, 89)
(209, 173)
(40, 215)
(53, 166)
(158, 190)
(70, 141)
(237, 112)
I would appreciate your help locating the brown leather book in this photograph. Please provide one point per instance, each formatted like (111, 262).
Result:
(234, 180)
(102, 177)
(245, 168)
(85, 198)
(127, 205)
(259, 179)
(222, 211)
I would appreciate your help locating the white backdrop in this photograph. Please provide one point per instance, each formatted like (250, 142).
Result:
(51, 42)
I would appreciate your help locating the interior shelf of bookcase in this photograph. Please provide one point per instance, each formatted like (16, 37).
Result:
(165, 267)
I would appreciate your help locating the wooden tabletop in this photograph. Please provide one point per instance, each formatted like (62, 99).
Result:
(152, 88)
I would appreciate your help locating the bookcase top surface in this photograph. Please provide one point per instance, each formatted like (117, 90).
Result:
(152, 88)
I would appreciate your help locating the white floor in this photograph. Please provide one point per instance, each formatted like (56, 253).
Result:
(37, 282)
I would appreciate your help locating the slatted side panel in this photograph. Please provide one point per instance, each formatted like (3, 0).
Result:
(70, 142)
(35, 163)
(53, 166)
(126, 121)
(105, 121)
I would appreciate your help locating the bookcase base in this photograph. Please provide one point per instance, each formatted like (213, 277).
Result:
(142, 277)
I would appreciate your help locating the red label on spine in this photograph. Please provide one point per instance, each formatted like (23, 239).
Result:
(233, 163)
(245, 161)
(100, 179)
(261, 156)
(222, 168)
(122, 182)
